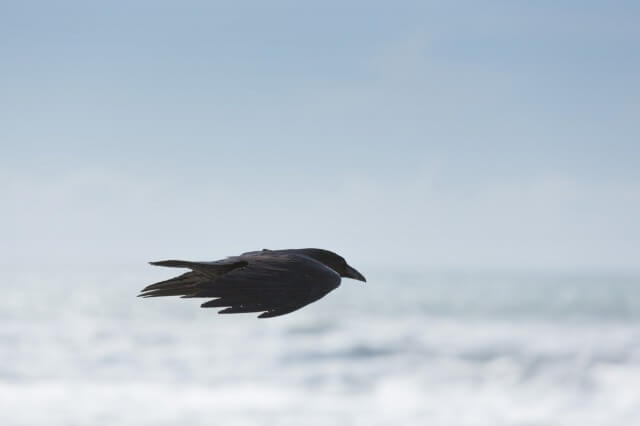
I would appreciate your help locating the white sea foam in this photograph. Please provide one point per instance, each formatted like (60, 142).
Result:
(438, 349)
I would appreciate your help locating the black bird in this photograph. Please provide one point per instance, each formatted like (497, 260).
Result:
(274, 282)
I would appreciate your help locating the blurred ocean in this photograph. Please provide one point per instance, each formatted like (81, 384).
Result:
(425, 348)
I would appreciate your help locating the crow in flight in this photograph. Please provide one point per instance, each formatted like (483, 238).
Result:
(274, 282)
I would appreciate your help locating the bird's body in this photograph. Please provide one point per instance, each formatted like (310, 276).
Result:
(274, 282)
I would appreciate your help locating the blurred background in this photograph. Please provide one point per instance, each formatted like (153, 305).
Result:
(477, 161)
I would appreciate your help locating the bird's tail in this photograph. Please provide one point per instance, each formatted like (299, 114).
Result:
(189, 283)
(174, 263)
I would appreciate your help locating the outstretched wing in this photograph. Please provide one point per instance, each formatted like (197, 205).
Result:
(272, 283)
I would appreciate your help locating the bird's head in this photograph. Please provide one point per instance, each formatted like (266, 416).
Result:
(335, 262)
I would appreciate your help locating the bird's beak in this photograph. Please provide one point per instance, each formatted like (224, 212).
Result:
(352, 273)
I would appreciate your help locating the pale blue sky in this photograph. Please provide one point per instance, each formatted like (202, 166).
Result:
(493, 134)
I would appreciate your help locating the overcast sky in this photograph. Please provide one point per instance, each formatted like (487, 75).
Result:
(474, 134)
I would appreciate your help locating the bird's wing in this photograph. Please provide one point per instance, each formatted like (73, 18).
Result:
(268, 282)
